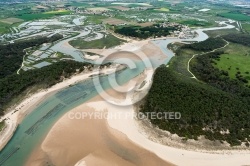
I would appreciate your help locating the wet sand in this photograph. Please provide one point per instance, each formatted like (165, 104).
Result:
(90, 141)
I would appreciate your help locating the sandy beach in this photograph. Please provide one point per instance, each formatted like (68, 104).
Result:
(15, 116)
(116, 139)
(91, 141)
(83, 136)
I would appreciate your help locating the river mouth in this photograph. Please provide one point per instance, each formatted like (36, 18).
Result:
(34, 127)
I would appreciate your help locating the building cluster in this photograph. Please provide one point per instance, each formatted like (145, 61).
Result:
(185, 33)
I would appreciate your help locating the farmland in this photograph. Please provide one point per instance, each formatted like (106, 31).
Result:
(235, 16)
(235, 60)
(195, 23)
(44, 15)
(11, 20)
(163, 9)
(246, 27)
(4, 28)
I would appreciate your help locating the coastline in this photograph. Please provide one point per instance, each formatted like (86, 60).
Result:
(16, 114)
(102, 144)
(142, 139)
(51, 148)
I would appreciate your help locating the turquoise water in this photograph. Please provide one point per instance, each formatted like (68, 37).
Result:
(37, 124)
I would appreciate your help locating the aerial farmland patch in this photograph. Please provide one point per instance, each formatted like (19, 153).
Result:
(11, 20)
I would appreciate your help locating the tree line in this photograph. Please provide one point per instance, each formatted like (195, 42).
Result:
(238, 38)
(205, 110)
(11, 55)
(206, 45)
(15, 84)
(145, 32)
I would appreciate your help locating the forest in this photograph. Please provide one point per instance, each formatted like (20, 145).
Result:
(206, 45)
(15, 84)
(145, 32)
(11, 55)
(238, 38)
(205, 110)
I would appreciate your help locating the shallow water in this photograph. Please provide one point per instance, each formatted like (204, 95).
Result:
(37, 124)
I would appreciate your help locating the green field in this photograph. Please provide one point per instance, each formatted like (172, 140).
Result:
(108, 41)
(221, 32)
(4, 28)
(44, 15)
(79, 4)
(235, 16)
(195, 23)
(95, 19)
(246, 27)
(57, 12)
(162, 9)
(236, 59)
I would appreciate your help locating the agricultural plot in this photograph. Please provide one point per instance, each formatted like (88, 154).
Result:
(246, 27)
(4, 28)
(195, 23)
(98, 9)
(235, 61)
(79, 4)
(11, 20)
(162, 9)
(235, 16)
(95, 19)
(114, 21)
(122, 8)
(44, 15)
(131, 4)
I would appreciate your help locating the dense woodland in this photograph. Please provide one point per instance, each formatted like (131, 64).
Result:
(205, 110)
(207, 45)
(11, 55)
(15, 84)
(208, 107)
(238, 38)
(145, 32)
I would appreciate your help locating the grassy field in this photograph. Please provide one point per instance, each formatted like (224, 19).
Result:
(57, 12)
(221, 32)
(4, 28)
(108, 41)
(79, 4)
(95, 19)
(195, 23)
(235, 16)
(236, 59)
(246, 27)
(98, 9)
(43, 15)
(162, 9)
(11, 20)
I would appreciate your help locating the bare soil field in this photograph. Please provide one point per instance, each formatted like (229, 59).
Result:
(11, 20)
(114, 21)
(120, 8)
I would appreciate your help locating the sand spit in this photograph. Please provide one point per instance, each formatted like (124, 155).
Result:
(90, 141)
(15, 116)
(116, 139)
